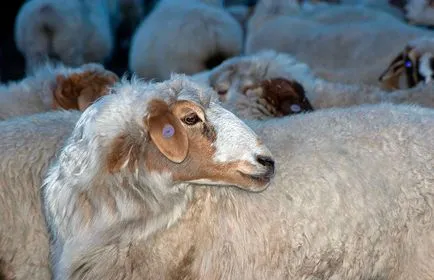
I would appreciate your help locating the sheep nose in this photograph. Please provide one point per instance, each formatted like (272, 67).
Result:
(267, 162)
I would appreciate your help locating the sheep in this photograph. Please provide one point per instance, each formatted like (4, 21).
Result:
(72, 32)
(55, 87)
(149, 142)
(28, 145)
(239, 84)
(341, 44)
(29, 141)
(184, 37)
(352, 198)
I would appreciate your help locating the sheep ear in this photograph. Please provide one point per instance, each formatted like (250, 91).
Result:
(79, 90)
(390, 77)
(167, 132)
(85, 99)
(64, 94)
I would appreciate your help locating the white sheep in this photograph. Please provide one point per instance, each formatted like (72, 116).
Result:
(352, 197)
(72, 32)
(55, 87)
(150, 142)
(239, 83)
(342, 43)
(184, 36)
(27, 145)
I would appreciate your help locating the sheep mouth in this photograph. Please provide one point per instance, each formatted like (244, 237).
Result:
(263, 178)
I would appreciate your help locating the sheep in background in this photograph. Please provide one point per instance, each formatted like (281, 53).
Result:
(413, 65)
(341, 206)
(184, 36)
(420, 12)
(55, 87)
(341, 44)
(393, 7)
(238, 82)
(28, 145)
(149, 142)
(72, 32)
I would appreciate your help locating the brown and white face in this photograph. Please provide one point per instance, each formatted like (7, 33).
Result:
(408, 69)
(252, 96)
(196, 144)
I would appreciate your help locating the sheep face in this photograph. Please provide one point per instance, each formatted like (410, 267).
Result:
(246, 91)
(193, 142)
(408, 69)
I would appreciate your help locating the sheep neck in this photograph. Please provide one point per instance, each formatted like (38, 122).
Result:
(146, 201)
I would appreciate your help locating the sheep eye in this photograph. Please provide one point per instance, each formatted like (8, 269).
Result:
(191, 119)
(408, 64)
(222, 92)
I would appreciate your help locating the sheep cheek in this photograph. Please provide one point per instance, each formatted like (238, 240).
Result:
(199, 166)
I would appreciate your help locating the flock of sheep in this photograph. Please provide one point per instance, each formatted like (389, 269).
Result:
(282, 140)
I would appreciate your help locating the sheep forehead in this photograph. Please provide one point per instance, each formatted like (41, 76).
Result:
(184, 88)
(253, 68)
(235, 140)
(128, 103)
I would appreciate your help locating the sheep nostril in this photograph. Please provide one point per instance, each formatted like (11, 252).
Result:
(266, 161)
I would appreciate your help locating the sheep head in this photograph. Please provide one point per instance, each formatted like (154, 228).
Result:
(78, 90)
(172, 128)
(247, 89)
(413, 65)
